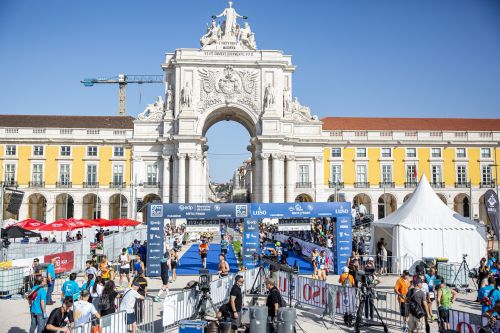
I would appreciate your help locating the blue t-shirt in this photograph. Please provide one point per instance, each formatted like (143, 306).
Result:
(491, 261)
(36, 306)
(71, 288)
(223, 244)
(51, 270)
(494, 297)
(431, 281)
(84, 286)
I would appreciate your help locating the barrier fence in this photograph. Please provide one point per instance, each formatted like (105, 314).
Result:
(113, 323)
(115, 242)
(393, 264)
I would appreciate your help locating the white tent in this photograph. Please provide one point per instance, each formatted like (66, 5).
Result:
(424, 226)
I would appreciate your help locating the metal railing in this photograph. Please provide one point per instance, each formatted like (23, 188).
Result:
(386, 184)
(64, 184)
(462, 184)
(438, 184)
(112, 323)
(36, 184)
(303, 184)
(10, 183)
(335, 184)
(117, 184)
(362, 184)
(90, 184)
(151, 184)
(410, 184)
(490, 184)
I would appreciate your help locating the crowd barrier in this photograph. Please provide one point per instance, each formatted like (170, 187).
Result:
(393, 265)
(470, 322)
(113, 323)
(115, 242)
(144, 310)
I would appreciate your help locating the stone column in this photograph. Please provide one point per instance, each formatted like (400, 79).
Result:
(318, 176)
(265, 178)
(277, 178)
(105, 209)
(175, 178)
(195, 175)
(166, 179)
(181, 178)
(290, 178)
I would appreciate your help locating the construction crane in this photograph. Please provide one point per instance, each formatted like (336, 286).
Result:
(122, 80)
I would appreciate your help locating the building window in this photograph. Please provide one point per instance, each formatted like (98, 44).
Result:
(118, 174)
(411, 173)
(152, 174)
(65, 131)
(386, 152)
(10, 173)
(92, 131)
(64, 174)
(65, 150)
(411, 152)
(118, 151)
(92, 151)
(485, 174)
(436, 174)
(91, 174)
(303, 174)
(336, 152)
(361, 176)
(461, 174)
(386, 174)
(436, 152)
(37, 175)
(360, 152)
(461, 153)
(11, 150)
(336, 174)
(38, 151)
(485, 153)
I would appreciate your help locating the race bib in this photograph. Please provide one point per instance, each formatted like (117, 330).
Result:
(431, 295)
(321, 266)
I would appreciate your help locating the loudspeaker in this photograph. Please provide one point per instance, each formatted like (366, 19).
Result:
(16, 199)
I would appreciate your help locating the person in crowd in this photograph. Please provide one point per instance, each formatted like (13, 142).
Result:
(124, 267)
(321, 266)
(61, 318)
(128, 304)
(403, 285)
(51, 280)
(174, 261)
(177, 244)
(203, 251)
(70, 288)
(236, 302)
(314, 262)
(483, 271)
(143, 290)
(83, 310)
(273, 302)
(445, 298)
(94, 262)
(107, 301)
(223, 268)
(96, 292)
(224, 244)
(489, 295)
(346, 279)
(165, 265)
(224, 313)
(89, 269)
(491, 259)
(297, 249)
(383, 259)
(105, 269)
(87, 285)
(36, 268)
(354, 266)
(361, 246)
(38, 298)
(138, 266)
(416, 321)
(143, 250)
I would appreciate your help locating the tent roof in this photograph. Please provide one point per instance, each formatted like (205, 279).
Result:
(425, 210)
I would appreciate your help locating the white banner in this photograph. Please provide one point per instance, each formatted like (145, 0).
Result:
(465, 322)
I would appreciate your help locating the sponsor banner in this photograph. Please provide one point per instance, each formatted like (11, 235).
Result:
(468, 322)
(346, 299)
(343, 242)
(491, 205)
(65, 261)
(202, 228)
(294, 227)
(300, 209)
(155, 249)
(251, 242)
(198, 211)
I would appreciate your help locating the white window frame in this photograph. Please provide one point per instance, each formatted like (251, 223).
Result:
(490, 168)
(366, 152)
(114, 151)
(113, 172)
(34, 150)
(440, 152)
(382, 153)
(460, 157)
(299, 180)
(466, 173)
(366, 173)
(336, 165)
(86, 179)
(32, 172)
(96, 151)
(147, 173)
(407, 179)
(7, 150)
(382, 173)
(485, 157)
(5, 171)
(411, 148)
(59, 172)
(440, 173)
(61, 151)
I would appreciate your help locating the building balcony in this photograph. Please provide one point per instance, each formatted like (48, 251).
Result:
(303, 185)
(9, 183)
(410, 184)
(362, 184)
(438, 184)
(462, 184)
(90, 184)
(490, 184)
(117, 185)
(36, 184)
(64, 184)
(151, 185)
(386, 185)
(335, 184)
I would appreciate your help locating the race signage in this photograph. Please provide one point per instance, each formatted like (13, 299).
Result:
(343, 242)
(202, 225)
(299, 209)
(204, 211)
(155, 247)
(251, 242)
(65, 261)
(294, 225)
(491, 205)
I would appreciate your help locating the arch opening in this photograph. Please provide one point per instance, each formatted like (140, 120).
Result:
(65, 206)
(387, 204)
(118, 208)
(461, 204)
(303, 197)
(362, 203)
(37, 207)
(91, 207)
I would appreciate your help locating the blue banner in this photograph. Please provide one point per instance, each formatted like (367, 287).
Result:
(200, 211)
(343, 242)
(251, 242)
(155, 248)
(299, 209)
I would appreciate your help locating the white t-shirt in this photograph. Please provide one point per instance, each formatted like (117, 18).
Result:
(82, 312)
(383, 253)
(125, 261)
(128, 301)
(98, 292)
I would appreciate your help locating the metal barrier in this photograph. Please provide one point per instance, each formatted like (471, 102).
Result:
(112, 323)
(177, 307)
(115, 242)
(393, 265)
(144, 310)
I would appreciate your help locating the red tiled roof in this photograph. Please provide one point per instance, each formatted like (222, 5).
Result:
(49, 121)
(409, 124)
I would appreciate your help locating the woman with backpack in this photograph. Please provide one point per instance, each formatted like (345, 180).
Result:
(107, 302)
(96, 292)
(88, 285)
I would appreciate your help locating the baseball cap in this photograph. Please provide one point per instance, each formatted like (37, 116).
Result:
(370, 259)
(345, 270)
(406, 272)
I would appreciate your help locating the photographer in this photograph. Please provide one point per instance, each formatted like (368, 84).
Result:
(369, 282)
(236, 302)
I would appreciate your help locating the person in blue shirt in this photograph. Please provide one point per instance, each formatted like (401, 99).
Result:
(38, 310)
(489, 295)
(491, 260)
(70, 288)
(224, 245)
(51, 280)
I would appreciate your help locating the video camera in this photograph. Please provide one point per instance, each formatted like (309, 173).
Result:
(366, 277)
(204, 280)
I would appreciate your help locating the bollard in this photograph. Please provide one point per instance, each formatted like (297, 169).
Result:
(258, 319)
(286, 320)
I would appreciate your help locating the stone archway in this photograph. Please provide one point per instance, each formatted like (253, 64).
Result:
(461, 204)
(387, 204)
(483, 215)
(37, 207)
(303, 197)
(118, 209)
(442, 197)
(64, 206)
(362, 202)
(91, 206)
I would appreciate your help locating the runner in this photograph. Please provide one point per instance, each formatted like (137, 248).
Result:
(224, 245)
(223, 266)
(164, 267)
(314, 262)
(321, 265)
(203, 249)
(124, 267)
(174, 261)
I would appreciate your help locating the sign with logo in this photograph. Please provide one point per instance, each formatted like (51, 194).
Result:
(65, 261)
(198, 211)
(491, 205)
(343, 242)
(203, 225)
(155, 248)
(299, 209)
(294, 225)
(251, 242)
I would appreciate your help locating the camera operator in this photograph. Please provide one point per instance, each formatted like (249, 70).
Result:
(369, 282)
(236, 302)
(273, 302)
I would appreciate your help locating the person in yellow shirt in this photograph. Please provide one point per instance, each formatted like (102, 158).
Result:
(403, 285)
(346, 279)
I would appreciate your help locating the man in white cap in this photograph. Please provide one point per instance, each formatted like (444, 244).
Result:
(346, 279)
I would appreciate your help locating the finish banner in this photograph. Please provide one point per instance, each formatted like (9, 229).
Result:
(491, 205)
(65, 261)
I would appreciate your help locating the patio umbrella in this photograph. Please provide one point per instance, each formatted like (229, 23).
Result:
(64, 225)
(123, 223)
(18, 232)
(30, 224)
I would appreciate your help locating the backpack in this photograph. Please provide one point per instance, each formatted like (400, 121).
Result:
(105, 302)
(347, 282)
(33, 295)
(486, 300)
(415, 308)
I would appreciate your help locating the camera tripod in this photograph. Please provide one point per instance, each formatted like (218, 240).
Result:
(466, 270)
(200, 310)
(366, 301)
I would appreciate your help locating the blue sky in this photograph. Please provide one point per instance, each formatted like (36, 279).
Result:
(425, 58)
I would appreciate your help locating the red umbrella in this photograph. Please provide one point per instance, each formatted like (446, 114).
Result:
(123, 223)
(101, 222)
(64, 225)
(91, 223)
(29, 224)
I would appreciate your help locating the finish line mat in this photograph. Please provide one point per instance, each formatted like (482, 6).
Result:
(190, 262)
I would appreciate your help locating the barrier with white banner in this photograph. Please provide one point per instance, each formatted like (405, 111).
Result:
(469, 322)
(112, 323)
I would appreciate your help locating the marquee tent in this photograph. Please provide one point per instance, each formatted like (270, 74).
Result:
(424, 226)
